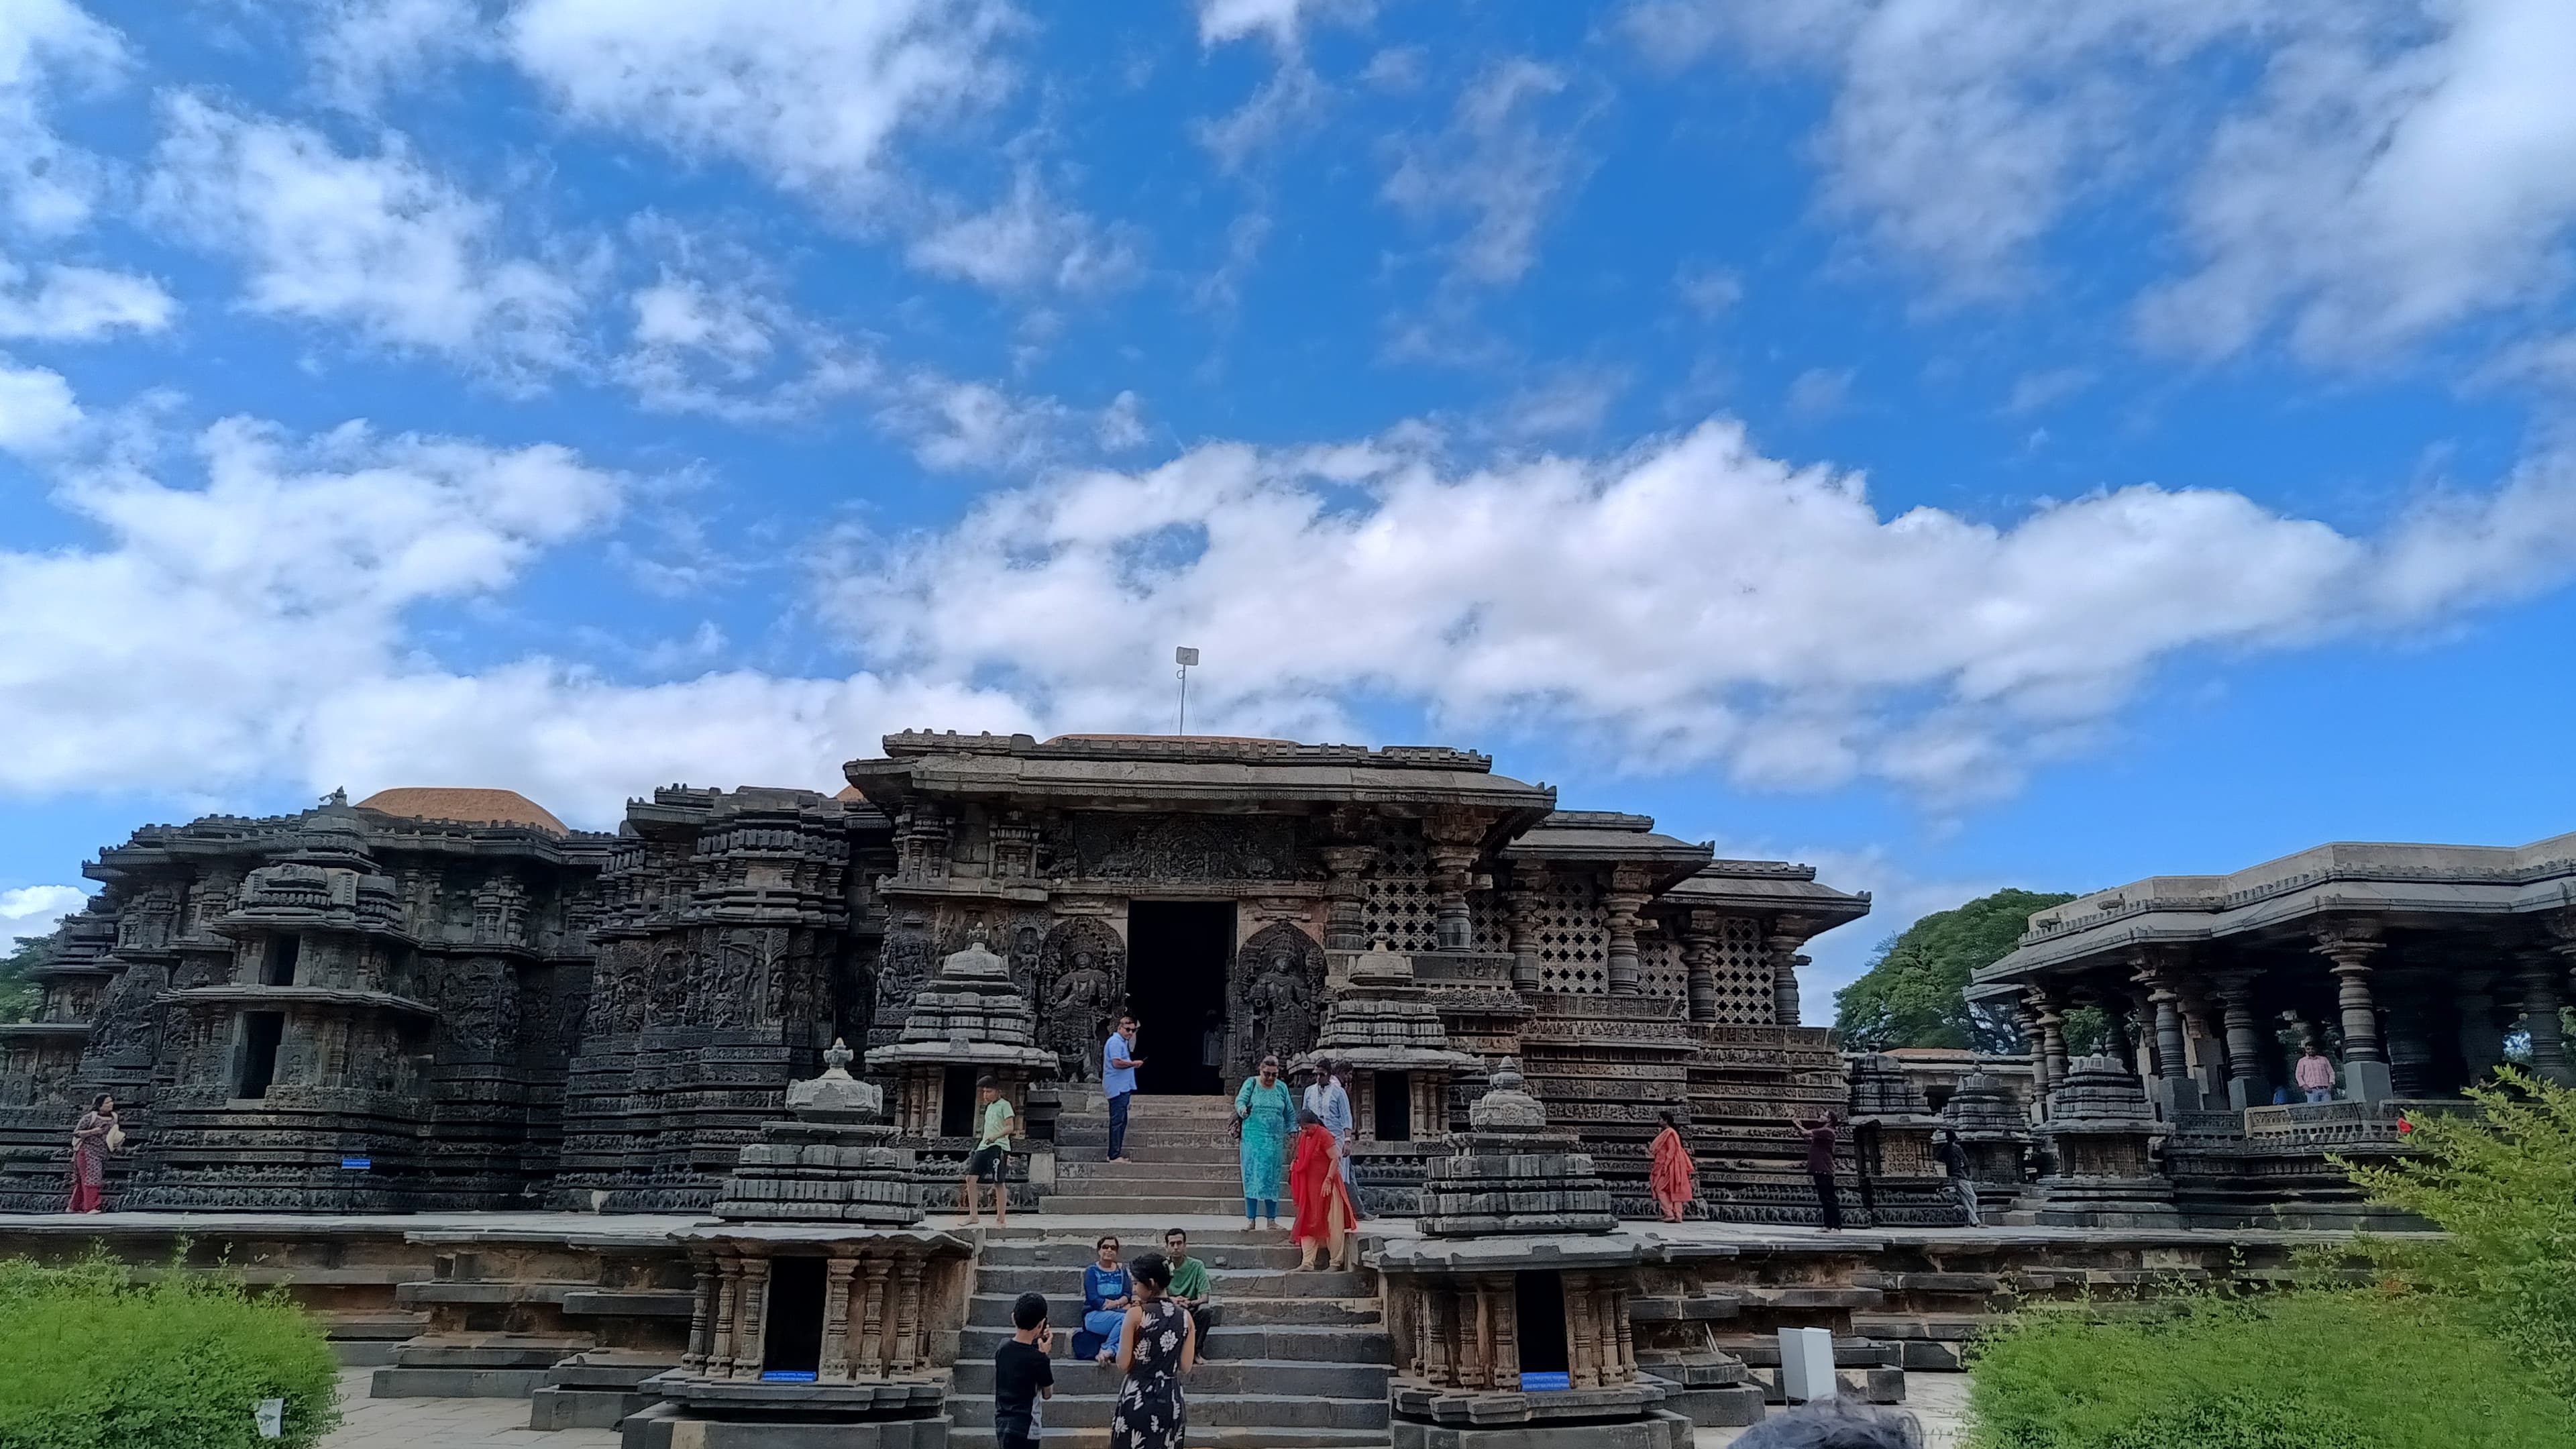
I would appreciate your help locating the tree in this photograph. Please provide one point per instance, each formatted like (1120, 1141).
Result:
(19, 996)
(1914, 991)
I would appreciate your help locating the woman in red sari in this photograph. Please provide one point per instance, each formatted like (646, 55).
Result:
(92, 1140)
(1674, 1181)
(1315, 1185)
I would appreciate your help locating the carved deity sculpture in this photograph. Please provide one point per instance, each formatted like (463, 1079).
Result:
(1279, 977)
(1085, 982)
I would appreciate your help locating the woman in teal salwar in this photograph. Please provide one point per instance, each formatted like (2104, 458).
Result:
(1266, 1113)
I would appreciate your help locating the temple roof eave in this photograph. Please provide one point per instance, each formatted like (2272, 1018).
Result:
(1768, 887)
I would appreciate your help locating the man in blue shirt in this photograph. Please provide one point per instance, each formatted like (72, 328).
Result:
(1118, 1064)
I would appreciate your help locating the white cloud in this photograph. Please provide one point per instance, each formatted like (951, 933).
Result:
(1687, 601)
(32, 911)
(77, 304)
(733, 350)
(366, 47)
(2034, 391)
(958, 426)
(810, 97)
(1573, 402)
(37, 413)
(1500, 163)
(2391, 170)
(2396, 178)
(46, 185)
(1710, 291)
(1027, 241)
(212, 617)
(1819, 392)
(1899, 896)
(259, 628)
(376, 243)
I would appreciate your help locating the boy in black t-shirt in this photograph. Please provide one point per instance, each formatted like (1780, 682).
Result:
(1023, 1375)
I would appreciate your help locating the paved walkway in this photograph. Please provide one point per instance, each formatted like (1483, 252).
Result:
(367, 1423)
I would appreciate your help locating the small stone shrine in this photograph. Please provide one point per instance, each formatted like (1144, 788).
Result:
(1385, 1028)
(824, 1318)
(1510, 1314)
(1995, 1134)
(968, 1023)
(832, 1161)
(2100, 1133)
(1892, 1128)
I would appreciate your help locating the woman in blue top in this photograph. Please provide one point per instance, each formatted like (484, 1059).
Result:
(1106, 1297)
(1267, 1111)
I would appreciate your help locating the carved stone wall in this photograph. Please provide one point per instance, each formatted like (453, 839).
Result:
(1082, 984)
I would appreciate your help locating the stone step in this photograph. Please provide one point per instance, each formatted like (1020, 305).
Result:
(1072, 1256)
(1266, 1414)
(455, 1383)
(1226, 1176)
(1229, 1436)
(1212, 1151)
(1305, 1343)
(1158, 1205)
(993, 1310)
(1226, 1285)
(557, 1407)
(1216, 1377)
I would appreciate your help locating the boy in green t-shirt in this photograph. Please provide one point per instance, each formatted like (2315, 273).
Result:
(992, 1154)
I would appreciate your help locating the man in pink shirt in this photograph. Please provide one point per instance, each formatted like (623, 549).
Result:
(2315, 1074)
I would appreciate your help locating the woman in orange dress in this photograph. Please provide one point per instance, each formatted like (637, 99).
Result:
(1674, 1181)
(1315, 1185)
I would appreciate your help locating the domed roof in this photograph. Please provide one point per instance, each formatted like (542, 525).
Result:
(464, 806)
(849, 794)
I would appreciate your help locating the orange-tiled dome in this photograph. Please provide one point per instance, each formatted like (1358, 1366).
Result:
(464, 806)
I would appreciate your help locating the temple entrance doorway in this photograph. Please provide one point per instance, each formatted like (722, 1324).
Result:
(1178, 953)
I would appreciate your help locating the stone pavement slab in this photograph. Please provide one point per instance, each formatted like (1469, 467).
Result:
(367, 1423)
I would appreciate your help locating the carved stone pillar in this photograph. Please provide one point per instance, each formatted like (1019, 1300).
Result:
(907, 1352)
(1620, 904)
(702, 1316)
(728, 1318)
(2173, 1087)
(2048, 1045)
(751, 1330)
(1452, 866)
(2409, 1047)
(1345, 925)
(2365, 1064)
(1582, 1332)
(1699, 952)
(2541, 998)
(2481, 1040)
(1782, 947)
(835, 1362)
(1504, 1294)
(1528, 898)
(1627, 1359)
(873, 1327)
(2248, 1073)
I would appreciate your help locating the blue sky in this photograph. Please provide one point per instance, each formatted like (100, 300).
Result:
(1956, 444)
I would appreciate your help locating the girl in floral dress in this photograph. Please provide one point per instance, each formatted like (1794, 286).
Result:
(1155, 1348)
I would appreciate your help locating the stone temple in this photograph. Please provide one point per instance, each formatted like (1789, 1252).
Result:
(659, 1128)
(438, 999)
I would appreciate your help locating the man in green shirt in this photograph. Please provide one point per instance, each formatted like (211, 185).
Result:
(990, 1160)
(1190, 1286)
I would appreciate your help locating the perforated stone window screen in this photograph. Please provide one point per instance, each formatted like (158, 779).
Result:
(1743, 973)
(1400, 908)
(1573, 937)
(1661, 967)
(1489, 925)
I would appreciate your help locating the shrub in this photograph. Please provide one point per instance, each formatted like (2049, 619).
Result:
(2503, 1185)
(88, 1362)
(2306, 1369)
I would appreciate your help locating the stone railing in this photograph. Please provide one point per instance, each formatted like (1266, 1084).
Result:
(2343, 1124)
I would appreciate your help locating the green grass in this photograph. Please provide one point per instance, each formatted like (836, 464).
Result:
(88, 1362)
(2307, 1369)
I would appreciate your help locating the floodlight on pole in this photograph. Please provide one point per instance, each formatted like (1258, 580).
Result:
(1185, 656)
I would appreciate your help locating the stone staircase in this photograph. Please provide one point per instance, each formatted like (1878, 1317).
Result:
(1186, 1163)
(1300, 1361)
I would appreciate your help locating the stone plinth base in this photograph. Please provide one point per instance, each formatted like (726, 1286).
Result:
(668, 1426)
(1658, 1430)
(2105, 1202)
(595, 1390)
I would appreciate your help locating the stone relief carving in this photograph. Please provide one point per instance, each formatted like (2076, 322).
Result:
(1084, 971)
(1178, 847)
(1277, 988)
